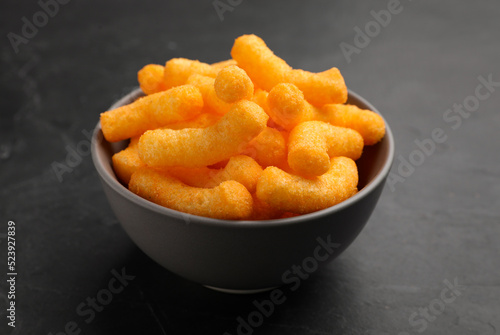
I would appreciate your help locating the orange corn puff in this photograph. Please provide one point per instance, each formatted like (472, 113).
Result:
(262, 210)
(311, 145)
(202, 147)
(260, 63)
(292, 193)
(240, 168)
(178, 70)
(369, 124)
(127, 161)
(287, 106)
(268, 148)
(260, 98)
(201, 121)
(211, 100)
(267, 70)
(233, 84)
(230, 200)
(220, 65)
(150, 112)
(150, 79)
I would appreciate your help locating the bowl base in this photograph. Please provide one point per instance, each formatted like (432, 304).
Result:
(231, 291)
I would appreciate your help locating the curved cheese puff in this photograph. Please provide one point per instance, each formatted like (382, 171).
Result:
(220, 65)
(288, 108)
(369, 124)
(291, 193)
(201, 147)
(267, 70)
(268, 148)
(320, 88)
(233, 84)
(229, 201)
(150, 78)
(311, 145)
(127, 161)
(178, 70)
(240, 168)
(211, 100)
(201, 121)
(260, 63)
(151, 112)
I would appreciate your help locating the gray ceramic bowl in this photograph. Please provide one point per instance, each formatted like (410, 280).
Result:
(243, 256)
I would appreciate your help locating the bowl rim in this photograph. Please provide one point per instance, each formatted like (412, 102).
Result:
(113, 182)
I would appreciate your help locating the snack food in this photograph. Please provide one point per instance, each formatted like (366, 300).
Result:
(222, 64)
(288, 107)
(267, 70)
(247, 138)
(296, 194)
(150, 78)
(192, 147)
(151, 112)
(178, 70)
(312, 143)
(206, 86)
(229, 200)
(127, 161)
(268, 148)
(233, 84)
(240, 168)
(370, 125)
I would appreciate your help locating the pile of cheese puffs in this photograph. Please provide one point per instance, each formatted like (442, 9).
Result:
(248, 138)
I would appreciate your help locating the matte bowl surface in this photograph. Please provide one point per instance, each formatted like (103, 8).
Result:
(239, 256)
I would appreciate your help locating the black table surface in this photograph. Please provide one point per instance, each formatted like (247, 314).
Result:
(428, 261)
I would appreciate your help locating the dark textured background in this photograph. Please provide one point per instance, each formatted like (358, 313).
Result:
(441, 223)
